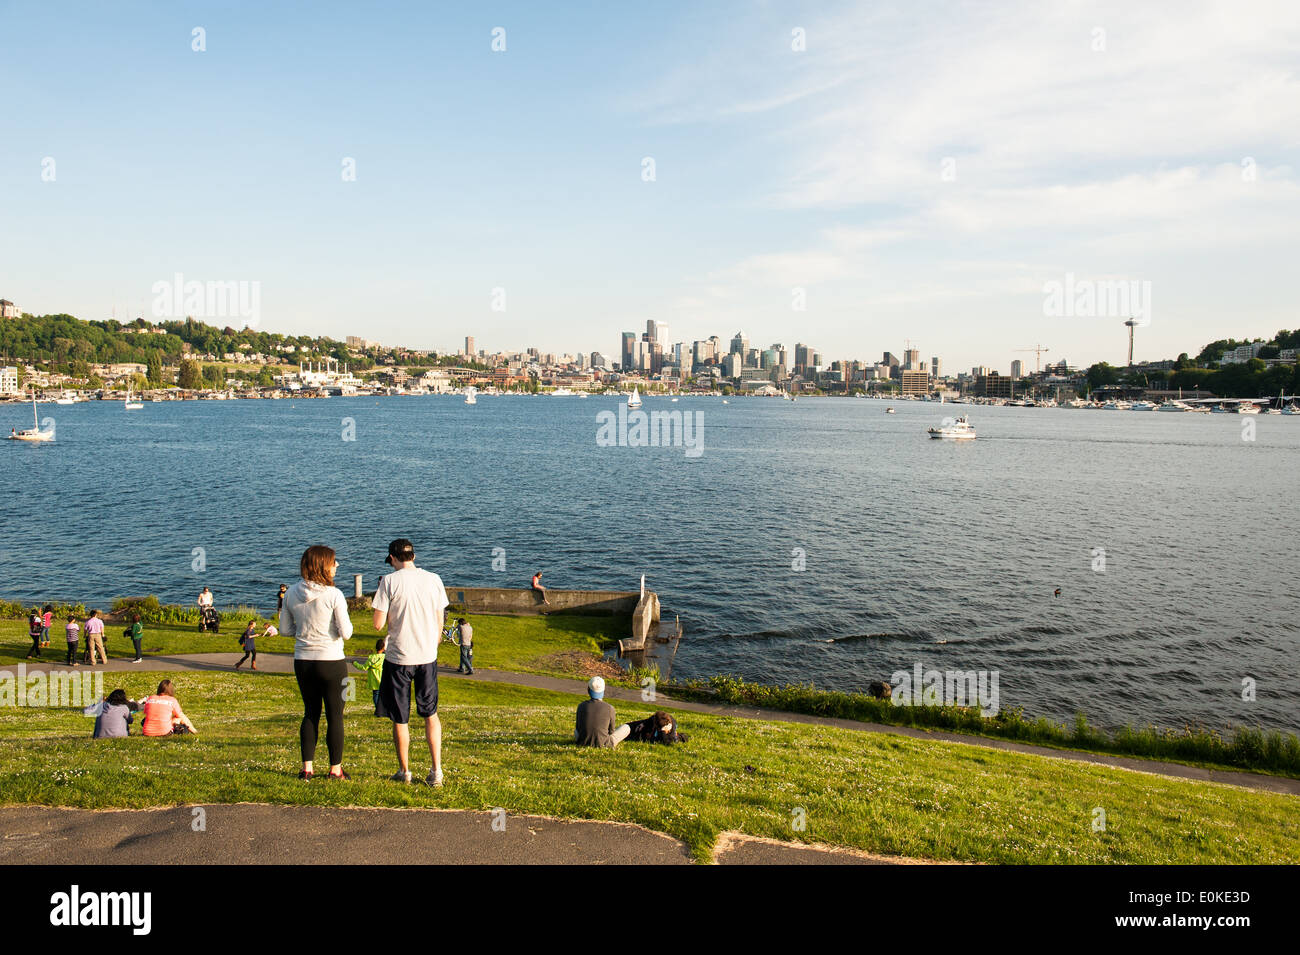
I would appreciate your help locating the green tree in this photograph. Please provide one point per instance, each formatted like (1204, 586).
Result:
(155, 368)
(190, 377)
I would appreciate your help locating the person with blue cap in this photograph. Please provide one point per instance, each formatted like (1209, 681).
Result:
(595, 725)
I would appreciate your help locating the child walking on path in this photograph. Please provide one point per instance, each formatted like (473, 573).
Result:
(249, 640)
(74, 632)
(34, 629)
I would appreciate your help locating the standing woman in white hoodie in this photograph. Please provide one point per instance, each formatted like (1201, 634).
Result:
(315, 612)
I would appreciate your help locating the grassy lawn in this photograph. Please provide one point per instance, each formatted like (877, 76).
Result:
(554, 645)
(508, 747)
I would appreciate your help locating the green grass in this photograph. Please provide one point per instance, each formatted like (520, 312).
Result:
(507, 746)
(1247, 748)
(551, 645)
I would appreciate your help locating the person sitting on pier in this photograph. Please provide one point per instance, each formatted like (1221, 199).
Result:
(595, 723)
(538, 588)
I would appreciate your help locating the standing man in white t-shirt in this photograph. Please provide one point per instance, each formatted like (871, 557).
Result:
(410, 602)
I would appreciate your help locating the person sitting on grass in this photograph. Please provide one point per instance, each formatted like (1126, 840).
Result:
(249, 642)
(595, 724)
(163, 715)
(374, 670)
(115, 715)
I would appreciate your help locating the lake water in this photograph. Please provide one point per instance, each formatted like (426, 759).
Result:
(912, 550)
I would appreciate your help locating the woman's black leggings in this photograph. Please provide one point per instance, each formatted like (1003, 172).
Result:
(321, 682)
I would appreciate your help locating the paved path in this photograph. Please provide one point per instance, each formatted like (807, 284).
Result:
(254, 834)
(283, 663)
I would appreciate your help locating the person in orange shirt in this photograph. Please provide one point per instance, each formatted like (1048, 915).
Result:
(163, 714)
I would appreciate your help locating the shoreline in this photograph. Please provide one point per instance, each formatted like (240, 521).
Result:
(1247, 748)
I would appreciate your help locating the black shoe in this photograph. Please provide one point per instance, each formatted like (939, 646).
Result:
(339, 775)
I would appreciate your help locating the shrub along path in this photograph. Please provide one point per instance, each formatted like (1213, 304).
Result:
(282, 663)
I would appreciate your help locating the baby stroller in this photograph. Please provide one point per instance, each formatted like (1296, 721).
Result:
(209, 620)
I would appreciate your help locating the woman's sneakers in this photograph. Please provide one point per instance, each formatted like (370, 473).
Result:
(434, 778)
(339, 775)
(404, 778)
(305, 775)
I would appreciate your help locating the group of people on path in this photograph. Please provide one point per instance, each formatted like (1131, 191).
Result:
(40, 622)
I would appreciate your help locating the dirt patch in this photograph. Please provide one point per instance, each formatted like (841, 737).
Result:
(579, 663)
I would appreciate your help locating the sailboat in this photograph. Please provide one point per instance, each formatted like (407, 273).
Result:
(634, 399)
(33, 433)
(130, 405)
(471, 395)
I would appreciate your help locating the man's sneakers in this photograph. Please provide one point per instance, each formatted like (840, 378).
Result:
(433, 779)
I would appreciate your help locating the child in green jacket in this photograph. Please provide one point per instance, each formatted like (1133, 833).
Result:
(374, 667)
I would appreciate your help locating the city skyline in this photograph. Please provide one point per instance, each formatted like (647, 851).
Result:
(842, 172)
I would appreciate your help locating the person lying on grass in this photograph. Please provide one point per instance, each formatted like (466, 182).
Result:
(658, 728)
(163, 715)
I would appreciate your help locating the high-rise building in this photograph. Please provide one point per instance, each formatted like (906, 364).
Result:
(1016, 368)
(732, 364)
(889, 360)
(469, 346)
(627, 351)
(936, 369)
(740, 345)
(911, 359)
(803, 359)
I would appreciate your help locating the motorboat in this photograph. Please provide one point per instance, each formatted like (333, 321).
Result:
(959, 429)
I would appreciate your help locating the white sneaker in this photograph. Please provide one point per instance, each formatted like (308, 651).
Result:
(400, 777)
(138, 660)
(434, 779)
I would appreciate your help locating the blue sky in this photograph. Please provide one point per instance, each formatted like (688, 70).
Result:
(1110, 156)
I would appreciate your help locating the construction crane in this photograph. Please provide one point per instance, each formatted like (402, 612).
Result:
(1038, 352)
(1132, 323)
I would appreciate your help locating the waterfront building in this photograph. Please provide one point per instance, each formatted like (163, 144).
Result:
(9, 380)
(993, 385)
(915, 382)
